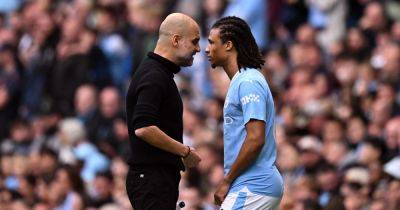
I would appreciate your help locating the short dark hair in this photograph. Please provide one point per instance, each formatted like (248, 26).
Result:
(237, 31)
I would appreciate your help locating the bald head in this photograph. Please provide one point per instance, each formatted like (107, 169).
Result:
(178, 40)
(177, 23)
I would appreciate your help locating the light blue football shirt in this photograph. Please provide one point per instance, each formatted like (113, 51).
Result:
(248, 98)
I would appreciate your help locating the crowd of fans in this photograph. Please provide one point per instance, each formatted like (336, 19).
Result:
(333, 67)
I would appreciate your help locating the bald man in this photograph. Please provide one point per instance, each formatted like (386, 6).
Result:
(154, 116)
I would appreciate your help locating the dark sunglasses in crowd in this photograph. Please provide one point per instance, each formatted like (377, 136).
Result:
(354, 185)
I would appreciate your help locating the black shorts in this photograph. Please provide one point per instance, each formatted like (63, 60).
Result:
(153, 187)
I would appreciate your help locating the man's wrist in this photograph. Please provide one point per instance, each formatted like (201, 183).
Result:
(228, 179)
(187, 152)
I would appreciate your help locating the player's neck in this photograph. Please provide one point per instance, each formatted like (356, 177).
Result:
(164, 52)
(231, 67)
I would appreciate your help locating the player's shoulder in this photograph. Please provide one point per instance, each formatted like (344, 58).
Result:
(251, 76)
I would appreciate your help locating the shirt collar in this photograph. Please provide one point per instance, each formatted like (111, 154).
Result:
(235, 76)
(172, 67)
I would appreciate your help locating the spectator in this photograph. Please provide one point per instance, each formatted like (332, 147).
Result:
(102, 190)
(76, 148)
(329, 16)
(101, 126)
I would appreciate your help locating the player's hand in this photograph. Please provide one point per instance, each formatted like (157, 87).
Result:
(192, 160)
(222, 191)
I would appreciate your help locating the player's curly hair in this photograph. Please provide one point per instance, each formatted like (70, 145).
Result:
(237, 31)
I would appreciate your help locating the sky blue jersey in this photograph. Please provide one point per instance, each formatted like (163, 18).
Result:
(249, 97)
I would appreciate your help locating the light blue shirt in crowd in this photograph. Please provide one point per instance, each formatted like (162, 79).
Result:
(254, 12)
(249, 97)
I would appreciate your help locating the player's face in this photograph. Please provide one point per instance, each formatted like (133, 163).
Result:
(190, 46)
(215, 50)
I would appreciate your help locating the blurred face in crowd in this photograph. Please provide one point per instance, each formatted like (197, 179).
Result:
(321, 84)
(71, 30)
(375, 169)
(103, 187)
(353, 202)
(296, 55)
(45, 26)
(25, 187)
(275, 62)
(305, 35)
(19, 205)
(380, 112)
(396, 31)
(355, 130)
(190, 122)
(119, 168)
(300, 77)
(393, 192)
(145, 15)
(85, 99)
(19, 165)
(41, 206)
(312, 57)
(369, 154)
(378, 205)
(105, 21)
(109, 102)
(48, 163)
(288, 158)
(328, 180)
(392, 133)
(335, 152)
(386, 93)
(391, 56)
(373, 15)
(87, 40)
(64, 179)
(354, 187)
(6, 164)
(332, 131)
(213, 7)
(120, 129)
(304, 188)
(56, 193)
(213, 109)
(309, 158)
(355, 40)
(346, 71)
(21, 132)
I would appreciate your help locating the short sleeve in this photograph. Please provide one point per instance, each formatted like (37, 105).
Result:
(150, 93)
(253, 100)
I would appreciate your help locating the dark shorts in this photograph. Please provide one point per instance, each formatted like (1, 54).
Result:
(153, 187)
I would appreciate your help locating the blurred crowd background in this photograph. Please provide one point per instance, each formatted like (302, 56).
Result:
(333, 67)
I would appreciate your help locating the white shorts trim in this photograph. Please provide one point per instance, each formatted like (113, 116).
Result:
(246, 200)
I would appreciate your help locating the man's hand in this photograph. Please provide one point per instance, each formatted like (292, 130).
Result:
(192, 159)
(222, 191)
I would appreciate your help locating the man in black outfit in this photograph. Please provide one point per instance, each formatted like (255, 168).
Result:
(154, 117)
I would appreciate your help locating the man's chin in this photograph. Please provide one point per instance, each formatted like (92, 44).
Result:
(187, 64)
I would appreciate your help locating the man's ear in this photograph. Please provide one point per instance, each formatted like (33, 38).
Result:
(175, 40)
(228, 45)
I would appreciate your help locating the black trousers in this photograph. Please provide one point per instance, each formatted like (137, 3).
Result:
(153, 187)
